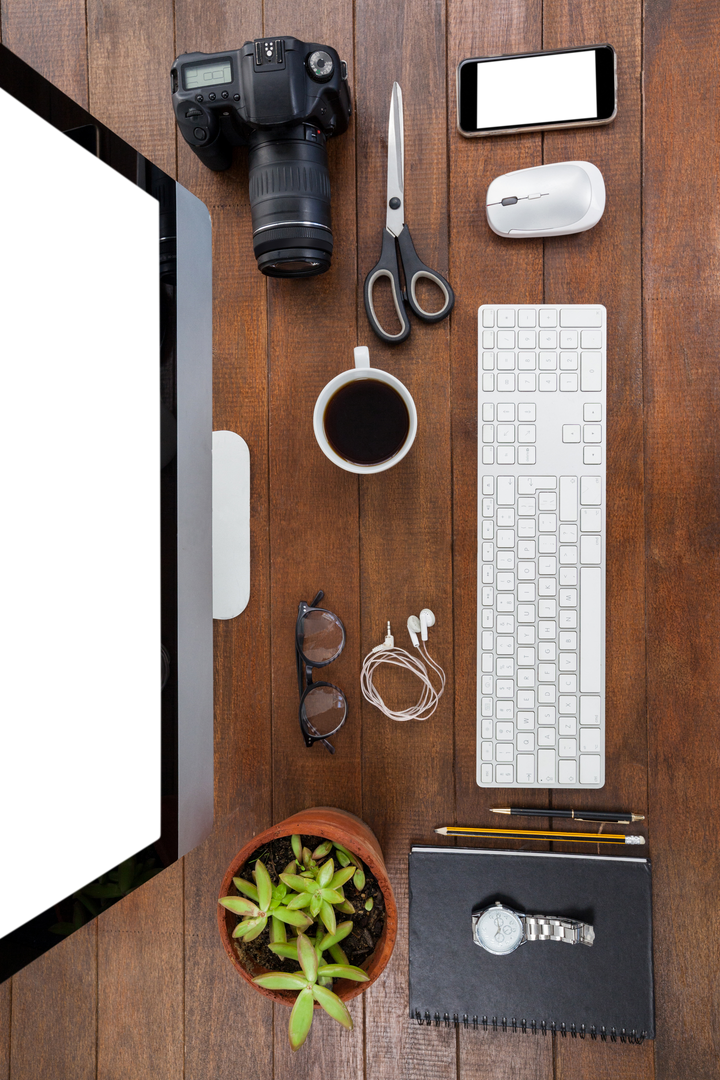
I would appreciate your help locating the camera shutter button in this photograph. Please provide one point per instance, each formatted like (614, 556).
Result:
(200, 134)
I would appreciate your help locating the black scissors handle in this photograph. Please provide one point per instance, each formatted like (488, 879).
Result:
(387, 266)
(413, 269)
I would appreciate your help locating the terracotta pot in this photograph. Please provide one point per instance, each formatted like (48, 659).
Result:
(353, 834)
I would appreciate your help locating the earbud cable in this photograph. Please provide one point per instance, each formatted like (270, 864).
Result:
(429, 697)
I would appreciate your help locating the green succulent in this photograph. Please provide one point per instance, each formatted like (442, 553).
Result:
(310, 890)
(308, 984)
(264, 902)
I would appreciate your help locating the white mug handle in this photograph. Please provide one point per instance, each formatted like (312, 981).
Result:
(362, 357)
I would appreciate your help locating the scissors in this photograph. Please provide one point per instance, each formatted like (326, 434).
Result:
(396, 230)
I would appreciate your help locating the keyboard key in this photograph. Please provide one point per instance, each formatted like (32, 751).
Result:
(546, 736)
(506, 361)
(526, 768)
(592, 433)
(526, 699)
(526, 383)
(580, 316)
(547, 361)
(526, 413)
(590, 710)
(526, 613)
(567, 620)
(504, 730)
(569, 339)
(592, 413)
(547, 339)
(570, 433)
(591, 519)
(488, 361)
(567, 684)
(488, 382)
(567, 725)
(567, 704)
(568, 382)
(526, 507)
(592, 455)
(488, 485)
(505, 339)
(568, 575)
(568, 498)
(546, 383)
(568, 598)
(526, 362)
(590, 490)
(591, 371)
(568, 361)
(488, 433)
(486, 774)
(546, 694)
(591, 339)
(486, 751)
(590, 768)
(506, 412)
(526, 455)
(488, 316)
(506, 517)
(504, 710)
(488, 339)
(591, 550)
(526, 433)
(504, 752)
(526, 339)
(488, 411)
(568, 554)
(506, 383)
(590, 630)
(525, 721)
(506, 317)
(504, 774)
(526, 317)
(506, 490)
(505, 455)
(487, 711)
(590, 740)
(547, 317)
(567, 772)
(506, 433)
(546, 766)
(567, 748)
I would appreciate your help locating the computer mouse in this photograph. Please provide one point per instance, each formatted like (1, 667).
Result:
(550, 200)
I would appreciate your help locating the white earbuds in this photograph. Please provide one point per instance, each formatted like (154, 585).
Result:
(421, 665)
(414, 628)
(426, 619)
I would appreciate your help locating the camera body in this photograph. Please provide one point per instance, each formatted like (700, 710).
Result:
(282, 98)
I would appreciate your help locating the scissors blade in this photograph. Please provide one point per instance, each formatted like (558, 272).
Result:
(395, 217)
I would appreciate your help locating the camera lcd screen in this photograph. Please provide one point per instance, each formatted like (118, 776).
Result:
(537, 90)
(205, 76)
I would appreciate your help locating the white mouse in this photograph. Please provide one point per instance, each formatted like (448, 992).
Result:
(550, 200)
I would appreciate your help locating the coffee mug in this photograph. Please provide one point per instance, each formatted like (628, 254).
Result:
(365, 419)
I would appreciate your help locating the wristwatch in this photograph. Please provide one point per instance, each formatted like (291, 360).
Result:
(500, 930)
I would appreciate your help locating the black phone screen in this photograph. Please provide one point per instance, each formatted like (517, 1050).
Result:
(536, 90)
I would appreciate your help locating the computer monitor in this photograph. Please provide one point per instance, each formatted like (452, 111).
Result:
(105, 550)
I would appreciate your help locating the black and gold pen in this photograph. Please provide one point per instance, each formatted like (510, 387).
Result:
(623, 818)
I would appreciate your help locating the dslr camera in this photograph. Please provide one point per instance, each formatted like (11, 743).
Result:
(282, 98)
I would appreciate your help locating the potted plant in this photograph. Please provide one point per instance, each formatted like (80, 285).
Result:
(313, 885)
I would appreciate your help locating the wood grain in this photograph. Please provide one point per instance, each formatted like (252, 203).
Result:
(54, 1012)
(405, 513)
(388, 546)
(140, 981)
(51, 37)
(680, 271)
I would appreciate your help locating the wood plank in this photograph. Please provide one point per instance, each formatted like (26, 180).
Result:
(228, 1026)
(313, 520)
(52, 39)
(680, 269)
(603, 265)
(484, 269)
(54, 1010)
(140, 979)
(405, 513)
(130, 53)
(5, 1029)
(313, 504)
(217, 1025)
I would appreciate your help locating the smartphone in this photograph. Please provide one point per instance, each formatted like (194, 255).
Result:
(502, 95)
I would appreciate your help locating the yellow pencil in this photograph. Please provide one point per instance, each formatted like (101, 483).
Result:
(544, 834)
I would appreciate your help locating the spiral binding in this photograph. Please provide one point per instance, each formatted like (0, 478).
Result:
(532, 1027)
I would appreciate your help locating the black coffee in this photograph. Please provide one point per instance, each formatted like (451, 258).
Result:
(366, 421)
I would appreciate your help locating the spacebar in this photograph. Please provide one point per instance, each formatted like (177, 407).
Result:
(591, 622)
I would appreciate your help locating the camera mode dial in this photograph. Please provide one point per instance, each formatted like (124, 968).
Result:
(320, 65)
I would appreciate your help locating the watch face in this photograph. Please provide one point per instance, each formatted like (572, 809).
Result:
(498, 930)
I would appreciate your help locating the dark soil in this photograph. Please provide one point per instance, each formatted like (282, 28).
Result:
(357, 946)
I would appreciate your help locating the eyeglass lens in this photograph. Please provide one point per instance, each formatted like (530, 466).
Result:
(321, 636)
(324, 709)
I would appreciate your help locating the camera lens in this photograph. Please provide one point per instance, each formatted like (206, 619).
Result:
(290, 202)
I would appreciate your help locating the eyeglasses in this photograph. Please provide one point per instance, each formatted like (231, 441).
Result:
(319, 639)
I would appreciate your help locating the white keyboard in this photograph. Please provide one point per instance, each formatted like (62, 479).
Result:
(541, 546)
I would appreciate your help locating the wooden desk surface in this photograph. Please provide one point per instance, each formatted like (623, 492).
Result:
(146, 990)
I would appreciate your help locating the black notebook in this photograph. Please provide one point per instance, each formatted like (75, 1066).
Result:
(600, 991)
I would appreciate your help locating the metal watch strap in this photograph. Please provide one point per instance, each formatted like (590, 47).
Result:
(542, 928)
